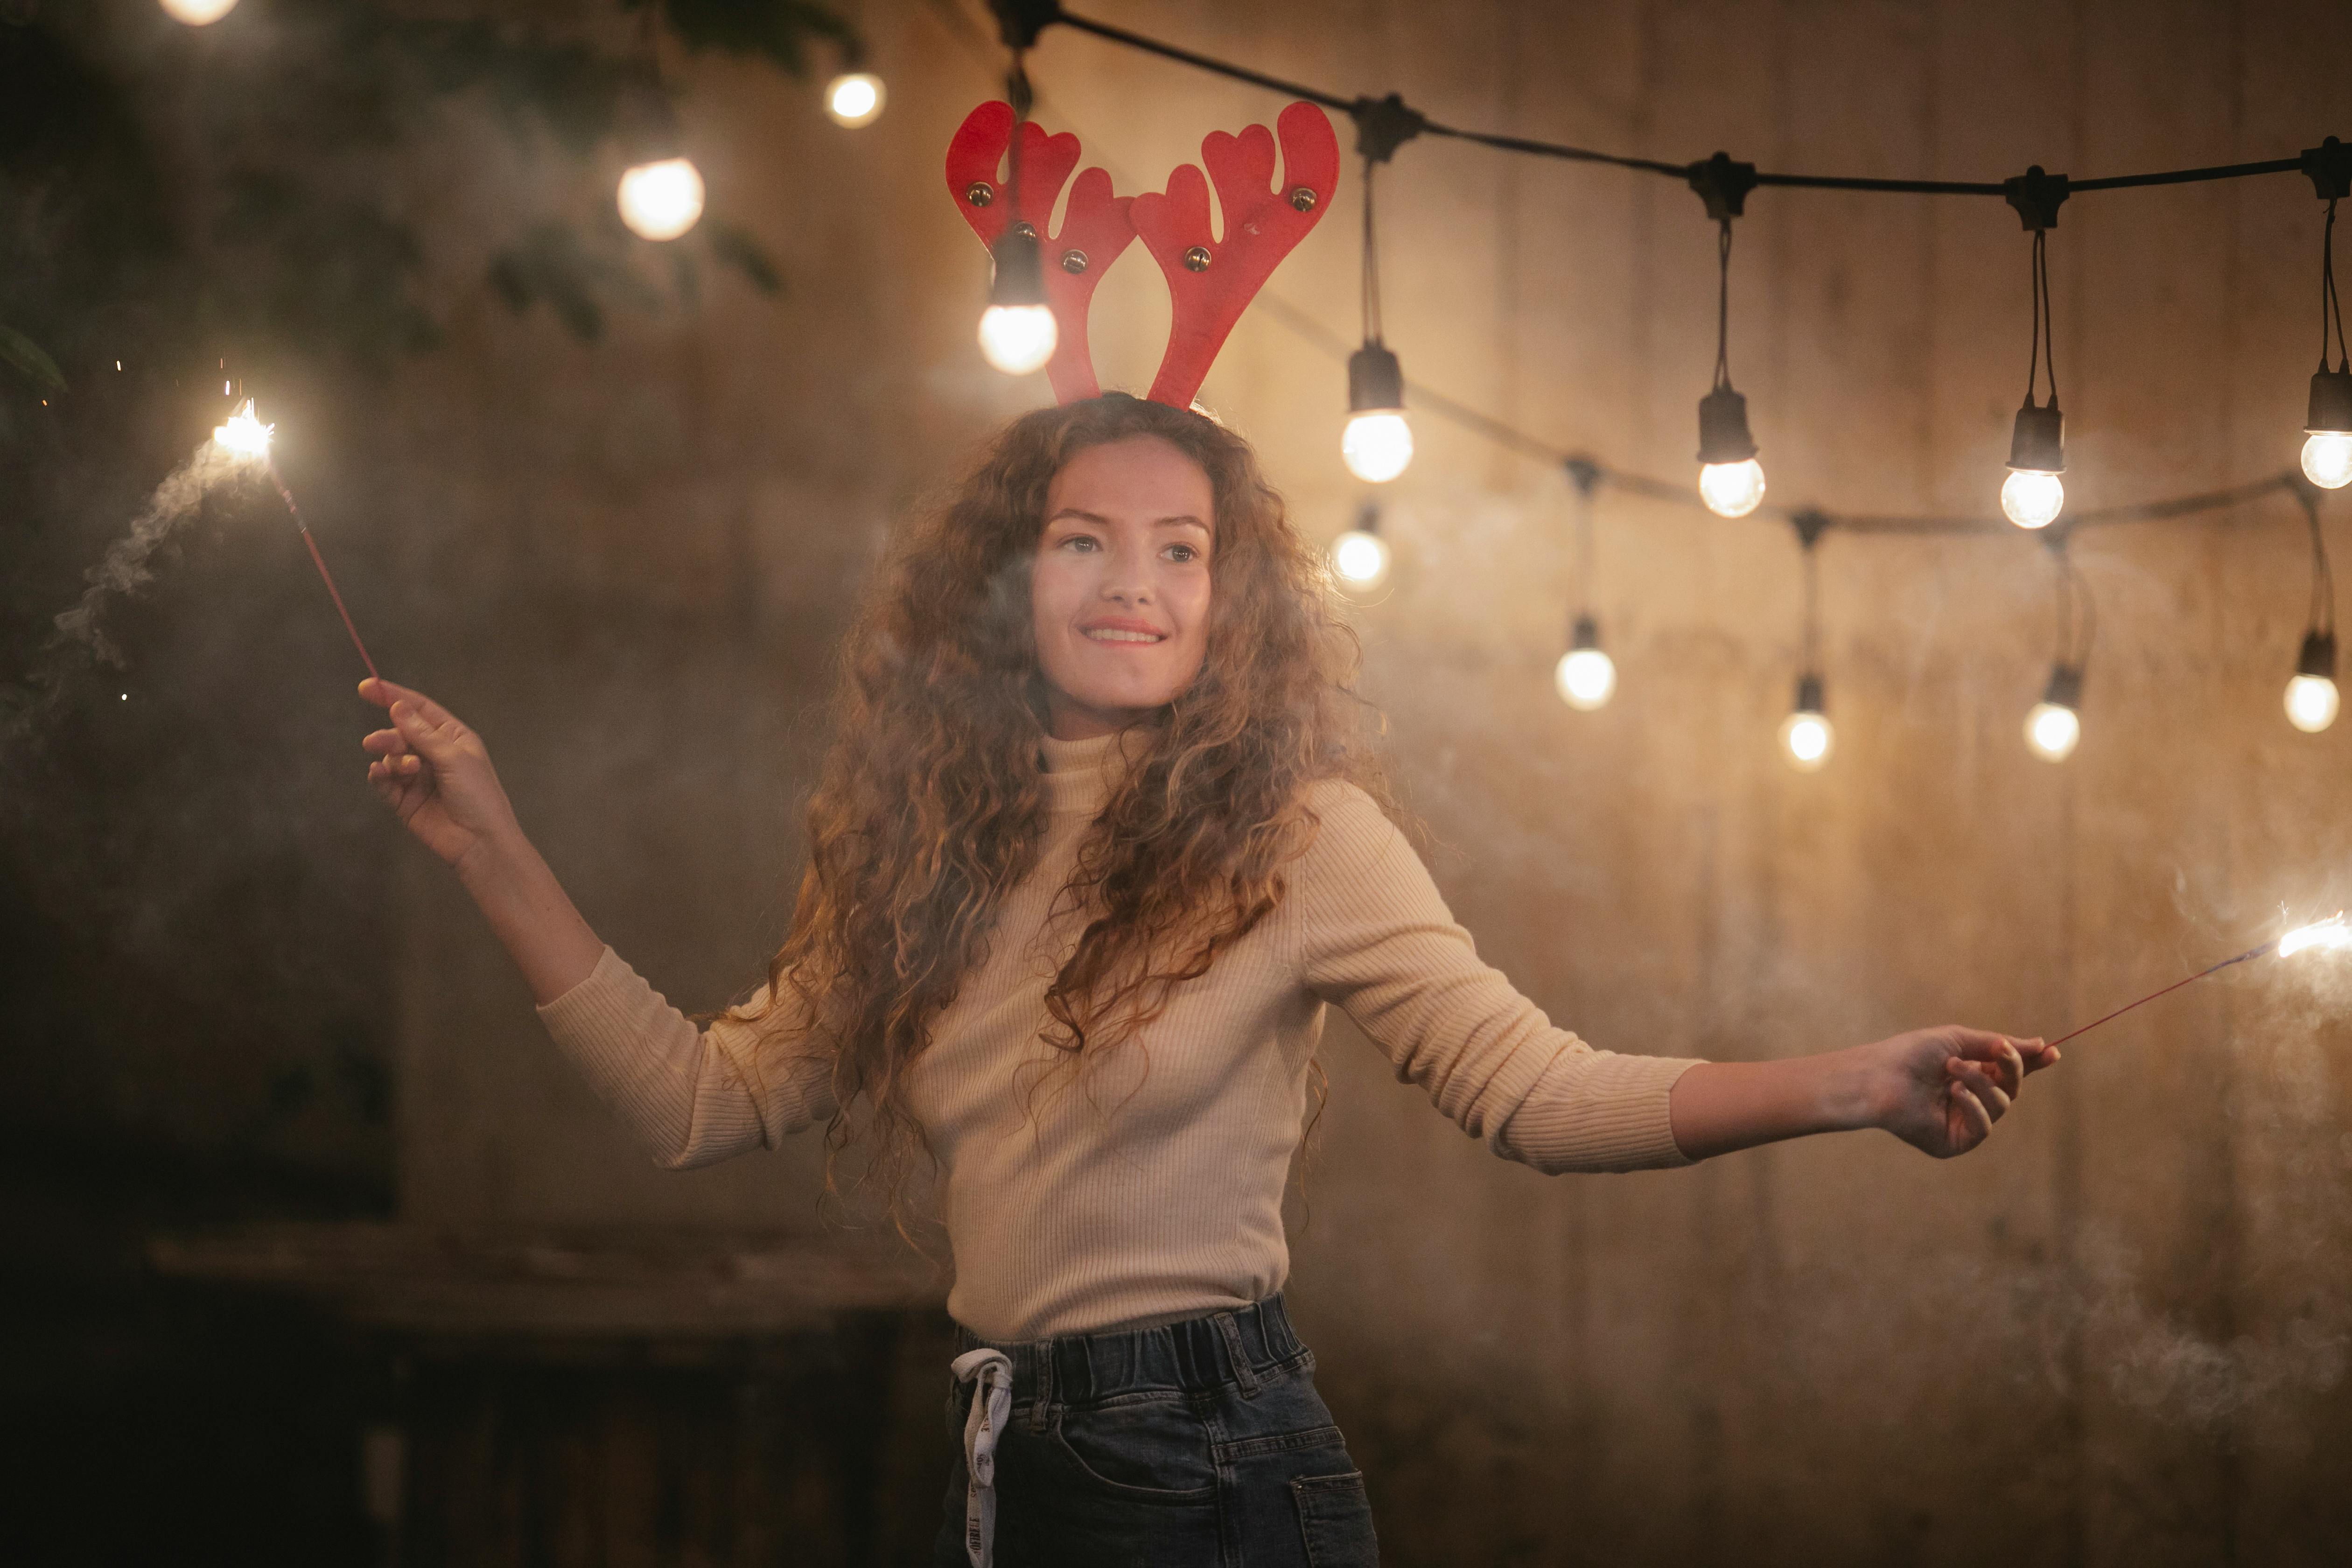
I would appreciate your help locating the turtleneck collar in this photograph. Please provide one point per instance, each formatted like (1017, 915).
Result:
(1079, 773)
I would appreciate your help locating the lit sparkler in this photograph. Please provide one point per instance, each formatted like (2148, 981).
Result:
(2331, 933)
(245, 436)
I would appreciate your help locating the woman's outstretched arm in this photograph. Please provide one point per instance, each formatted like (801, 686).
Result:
(1937, 1089)
(692, 1096)
(436, 774)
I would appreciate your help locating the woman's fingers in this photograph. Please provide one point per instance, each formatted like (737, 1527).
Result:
(384, 742)
(1979, 1083)
(1973, 1115)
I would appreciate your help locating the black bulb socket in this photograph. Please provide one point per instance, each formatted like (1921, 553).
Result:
(1584, 636)
(2066, 687)
(2331, 403)
(1020, 267)
(2319, 656)
(1375, 381)
(1809, 694)
(1722, 434)
(2038, 445)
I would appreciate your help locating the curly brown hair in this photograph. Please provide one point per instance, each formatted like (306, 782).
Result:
(931, 806)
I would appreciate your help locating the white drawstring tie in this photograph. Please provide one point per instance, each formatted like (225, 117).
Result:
(992, 1402)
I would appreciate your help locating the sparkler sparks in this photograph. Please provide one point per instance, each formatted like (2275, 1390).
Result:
(2331, 933)
(245, 435)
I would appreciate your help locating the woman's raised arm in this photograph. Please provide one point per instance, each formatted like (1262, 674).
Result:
(436, 774)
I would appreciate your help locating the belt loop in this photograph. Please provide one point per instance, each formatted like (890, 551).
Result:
(1244, 1372)
(1041, 1407)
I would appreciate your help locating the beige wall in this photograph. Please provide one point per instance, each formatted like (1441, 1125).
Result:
(2119, 1333)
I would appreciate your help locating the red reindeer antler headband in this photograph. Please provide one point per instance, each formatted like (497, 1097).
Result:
(1210, 281)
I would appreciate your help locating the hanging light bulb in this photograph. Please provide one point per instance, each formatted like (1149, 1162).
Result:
(1377, 444)
(1586, 677)
(2312, 700)
(198, 13)
(2053, 724)
(2034, 494)
(1359, 557)
(1017, 331)
(662, 199)
(1730, 480)
(2327, 431)
(1806, 734)
(855, 99)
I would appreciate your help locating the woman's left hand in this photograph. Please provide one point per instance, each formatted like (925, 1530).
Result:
(1940, 1090)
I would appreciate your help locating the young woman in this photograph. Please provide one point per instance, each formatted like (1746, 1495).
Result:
(1097, 842)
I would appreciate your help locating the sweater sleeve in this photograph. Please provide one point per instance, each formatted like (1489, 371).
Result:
(1378, 943)
(693, 1097)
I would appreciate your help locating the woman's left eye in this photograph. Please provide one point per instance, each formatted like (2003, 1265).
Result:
(1183, 553)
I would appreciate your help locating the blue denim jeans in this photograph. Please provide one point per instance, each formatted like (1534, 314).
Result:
(1200, 1443)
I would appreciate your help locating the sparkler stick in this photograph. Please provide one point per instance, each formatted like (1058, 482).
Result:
(2329, 932)
(248, 437)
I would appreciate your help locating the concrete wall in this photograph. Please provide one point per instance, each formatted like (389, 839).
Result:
(2118, 1333)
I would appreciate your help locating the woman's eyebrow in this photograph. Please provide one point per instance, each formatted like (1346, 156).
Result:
(1185, 520)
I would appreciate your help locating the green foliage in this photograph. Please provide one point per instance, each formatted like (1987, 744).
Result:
(183, 194)
(29, 358)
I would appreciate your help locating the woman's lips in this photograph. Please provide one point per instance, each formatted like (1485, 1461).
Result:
(1119, 632)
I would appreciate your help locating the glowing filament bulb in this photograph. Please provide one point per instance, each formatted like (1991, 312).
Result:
(198, 13)
(2311, 703)
(2050, 729)
(1586, 678)
(1808, 738)
(1732, 490)
(1360, 559)
(1018, 339)
(2032, 498)
(1377, 444)
(2331, 933)
(244, 434)
(854, 99)
(661, 200)
(2327, 459)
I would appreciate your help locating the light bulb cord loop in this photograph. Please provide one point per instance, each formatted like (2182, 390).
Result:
(2078, 613)
(2331, 309)
(2323, 576)
(2044, 355)
(1371, 272)
(1584, 550)
(1723, 306)
(1811, 647)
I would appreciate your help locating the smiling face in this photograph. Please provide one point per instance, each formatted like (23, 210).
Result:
(1119, 592)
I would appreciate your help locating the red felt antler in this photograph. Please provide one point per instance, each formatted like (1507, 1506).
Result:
(1211, 282)
(1094, 225)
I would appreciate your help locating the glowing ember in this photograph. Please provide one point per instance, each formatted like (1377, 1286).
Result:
(2329, 932)
(245, 435)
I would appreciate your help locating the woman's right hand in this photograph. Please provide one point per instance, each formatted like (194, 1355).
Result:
(436, 774)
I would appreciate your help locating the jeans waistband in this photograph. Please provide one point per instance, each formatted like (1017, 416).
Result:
(1240, 1347)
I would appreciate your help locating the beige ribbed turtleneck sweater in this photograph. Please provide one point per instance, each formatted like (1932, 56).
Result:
(1150, 1189)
